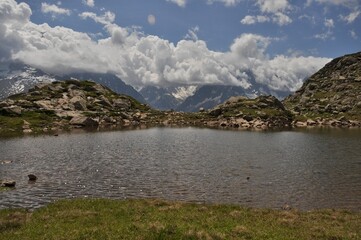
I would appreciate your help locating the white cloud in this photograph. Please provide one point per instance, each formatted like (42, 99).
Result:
(54, 9)
(353, 34)
(181, 3)
(227, 3)
(151, 19)
(145, 59)
(351, 17)
(89, 3)
(249, 20)
(325, 36)
(273, 10)
(192, 34)
(346, 3)
(107, 18)
(273, 6)
(281, 19)
(329, 23)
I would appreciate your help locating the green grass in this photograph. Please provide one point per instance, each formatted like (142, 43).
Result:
(11, 125)
(2, 189)
(155, 219)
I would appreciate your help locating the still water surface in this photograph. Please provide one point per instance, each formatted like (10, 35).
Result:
(306, 169)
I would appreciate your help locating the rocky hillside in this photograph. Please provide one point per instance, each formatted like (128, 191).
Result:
(261, 113)
(70, 104)
(332, 96)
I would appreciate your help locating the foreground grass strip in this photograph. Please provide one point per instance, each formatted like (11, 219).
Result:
(155, 219)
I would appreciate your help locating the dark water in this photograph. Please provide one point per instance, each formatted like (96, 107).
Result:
(306, 169)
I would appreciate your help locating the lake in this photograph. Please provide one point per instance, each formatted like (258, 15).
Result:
(307, 169)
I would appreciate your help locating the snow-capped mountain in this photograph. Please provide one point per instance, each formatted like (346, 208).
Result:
(17, 77)
(209, 96)
(167, 98)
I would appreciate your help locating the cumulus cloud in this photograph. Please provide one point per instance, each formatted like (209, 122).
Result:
(281, 19)
(274, 10)
(54, 9)
(89, 3)
(273, 6)
(249, 20)
(13, 17)
(107, 18)
(141, 59)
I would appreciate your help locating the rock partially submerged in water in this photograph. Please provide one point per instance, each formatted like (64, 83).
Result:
(8, 183)
(32, 177)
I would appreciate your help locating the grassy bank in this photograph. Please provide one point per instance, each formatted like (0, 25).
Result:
(154, 219)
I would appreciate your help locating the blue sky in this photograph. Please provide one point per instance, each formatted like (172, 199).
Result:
(184, 42)
(219, 24)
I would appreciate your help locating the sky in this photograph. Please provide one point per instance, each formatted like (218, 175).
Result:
(170, 42)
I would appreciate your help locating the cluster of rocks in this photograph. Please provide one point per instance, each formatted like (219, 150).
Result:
(332, 95)
(341, 122)
(12, 183)
(263, 112)
(75, 104)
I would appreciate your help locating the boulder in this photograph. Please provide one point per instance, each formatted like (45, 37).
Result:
(13, 110)
(79, 103)
(32, 177)
(45, 104)
(248, 118)
(215, 112)
(8, 183)
(84, 121)
(310, 122)
(121, 104)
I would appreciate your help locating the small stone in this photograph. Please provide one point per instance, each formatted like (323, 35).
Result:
(32, 177)
(9, 184)
(286, 207)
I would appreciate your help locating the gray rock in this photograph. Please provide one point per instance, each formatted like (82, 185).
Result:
(13, 110)
(79, 103)
(8, 183)
(32, 177)
(215, 112)
(121, 104)
(84, 121)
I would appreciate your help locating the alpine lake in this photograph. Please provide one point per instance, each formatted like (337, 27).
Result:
(306, 168)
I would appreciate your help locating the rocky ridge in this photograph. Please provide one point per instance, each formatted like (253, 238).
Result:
(332, 96)
(70, 104)
(263, 112)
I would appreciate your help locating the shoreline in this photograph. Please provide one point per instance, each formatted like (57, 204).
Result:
(141, 126)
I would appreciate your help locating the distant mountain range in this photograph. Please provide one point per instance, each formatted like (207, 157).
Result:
(17, 77)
